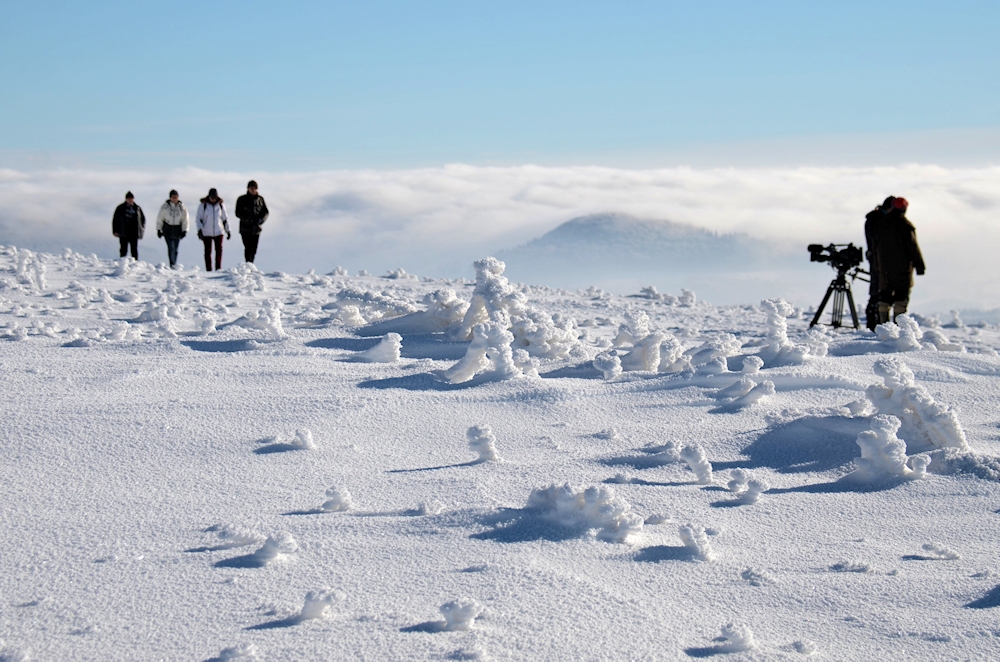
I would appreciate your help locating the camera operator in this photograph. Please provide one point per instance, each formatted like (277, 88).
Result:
(873, 220)
(897, 255)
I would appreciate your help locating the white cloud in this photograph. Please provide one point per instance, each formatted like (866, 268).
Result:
(435, 221)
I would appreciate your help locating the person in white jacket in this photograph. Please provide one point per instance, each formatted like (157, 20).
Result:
(172, 224)
(212, 222)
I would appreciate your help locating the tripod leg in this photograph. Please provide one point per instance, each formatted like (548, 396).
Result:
(819, 312)
(854, 311)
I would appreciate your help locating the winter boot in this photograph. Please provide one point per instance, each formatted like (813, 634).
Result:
(898, 308)
(883, 312)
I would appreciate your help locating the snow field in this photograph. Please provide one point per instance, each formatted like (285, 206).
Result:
(151, 439)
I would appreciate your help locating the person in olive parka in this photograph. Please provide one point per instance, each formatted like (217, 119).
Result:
(128, 224)
(898, 256)
(252, 212)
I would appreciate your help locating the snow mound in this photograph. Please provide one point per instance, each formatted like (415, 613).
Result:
(585, 509)
(738, 639)
(369, 306)
(489, 354)
(246, 279)
(10, 654)
(938, 552)
(235, 535)
(496, 301)
(318, 604)
(925, 423)
(482, 442)
(883, 455)
(746, 486)
(952, 461)
(695, 539)
(459, 615)
(400, 274)
(240, 653)
(267, 319)
(387, 351)
(905, 335)
(779, 350)
(338, 500)
(805, 647)
(444, 310)
(275, 547)
(609, 364)
(695, 457)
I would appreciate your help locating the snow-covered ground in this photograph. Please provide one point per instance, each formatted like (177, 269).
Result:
(242, 465)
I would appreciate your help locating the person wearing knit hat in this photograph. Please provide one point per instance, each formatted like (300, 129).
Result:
(252, 212)
(898, 256)
(212, 223)
(172, 225)
(128, 224)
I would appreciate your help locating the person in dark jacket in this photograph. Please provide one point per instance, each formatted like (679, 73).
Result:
(873, 220)
(252, 212)
(898, 256)
(128, 224)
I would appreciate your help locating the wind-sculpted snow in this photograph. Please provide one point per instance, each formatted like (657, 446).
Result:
(905, 335)
(779, 350)
(266, 319)
(483, 442)
(695, 539)
(883, 455)
(444, 311)
(155, 446)
(926, 424)
(587, 509)
(368, 305)
(459, 615)
(387, 351)
(696, 459)
(495, 301)
(338, 500)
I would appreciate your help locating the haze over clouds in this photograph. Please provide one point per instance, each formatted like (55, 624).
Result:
(435, 221)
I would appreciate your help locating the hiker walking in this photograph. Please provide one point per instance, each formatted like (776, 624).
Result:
(252, 212)
(172, 225)
(212, 223)
(128, 224)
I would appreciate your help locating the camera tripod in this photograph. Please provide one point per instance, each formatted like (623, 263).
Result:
(840, 289)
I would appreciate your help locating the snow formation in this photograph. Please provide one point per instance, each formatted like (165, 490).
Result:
(482, 442)
(586, 509)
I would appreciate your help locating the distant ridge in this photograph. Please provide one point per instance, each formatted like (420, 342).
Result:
(600, 246)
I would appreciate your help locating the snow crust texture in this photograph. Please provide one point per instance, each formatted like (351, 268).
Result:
(190, 461)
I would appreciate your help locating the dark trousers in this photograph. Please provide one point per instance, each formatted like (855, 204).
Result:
(129, 242)
(208, 252)
(173, 243)
(250, 242)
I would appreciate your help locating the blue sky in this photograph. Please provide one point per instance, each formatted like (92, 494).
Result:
(406, 84)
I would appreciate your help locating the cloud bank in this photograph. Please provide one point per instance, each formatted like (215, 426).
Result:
(436, 221)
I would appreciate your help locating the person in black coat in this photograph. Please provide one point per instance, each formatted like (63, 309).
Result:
(898, 256)
(128, 224)
(873, 221)
(252, 212)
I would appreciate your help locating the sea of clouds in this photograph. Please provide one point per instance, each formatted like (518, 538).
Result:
(436, 221)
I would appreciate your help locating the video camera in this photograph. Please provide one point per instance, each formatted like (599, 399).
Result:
(842, 257)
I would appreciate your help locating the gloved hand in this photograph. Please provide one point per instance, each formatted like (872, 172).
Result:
(920, 272)
(228, 235)
(183, 234)
(200, 235)
(159, 235)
